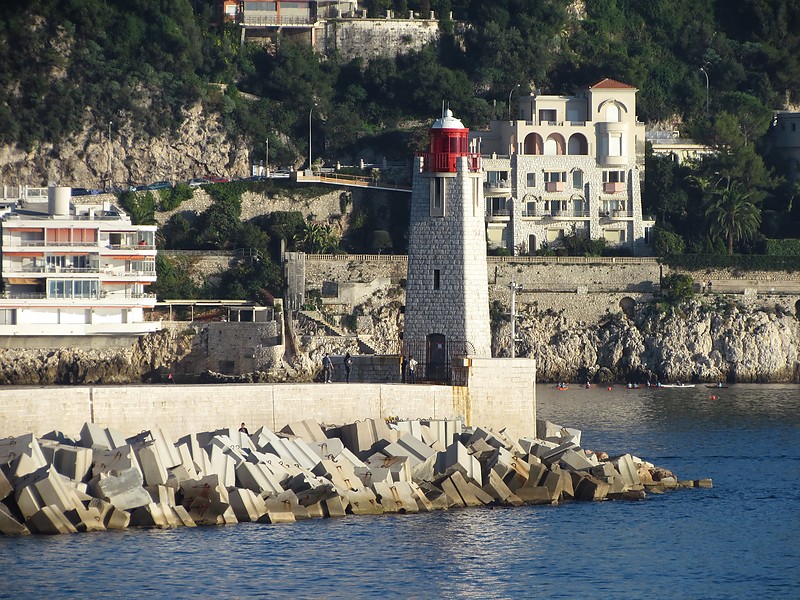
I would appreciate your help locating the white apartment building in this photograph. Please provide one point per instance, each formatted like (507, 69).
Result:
(564, 164)
(72, 269)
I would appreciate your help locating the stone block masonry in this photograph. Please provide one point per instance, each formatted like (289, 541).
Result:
(179, 409)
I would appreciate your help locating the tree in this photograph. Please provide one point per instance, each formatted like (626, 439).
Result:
(667, 243)
(732, 215)
(677, 288)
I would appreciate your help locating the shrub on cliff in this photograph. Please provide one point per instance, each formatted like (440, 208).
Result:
(677, 288)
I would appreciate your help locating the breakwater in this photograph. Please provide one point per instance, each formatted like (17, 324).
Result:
(102, 480)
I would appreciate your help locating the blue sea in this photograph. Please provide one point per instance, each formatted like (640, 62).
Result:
(740, 539)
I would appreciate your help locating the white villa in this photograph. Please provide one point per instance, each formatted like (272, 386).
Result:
(71, 269)
(564, 164)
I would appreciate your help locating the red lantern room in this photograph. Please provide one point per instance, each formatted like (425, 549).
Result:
(448, 142)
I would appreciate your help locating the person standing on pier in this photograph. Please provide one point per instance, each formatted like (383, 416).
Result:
(348, 366)
(327, 367)
(412, 369)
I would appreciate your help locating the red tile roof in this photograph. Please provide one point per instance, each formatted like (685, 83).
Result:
(611, 84)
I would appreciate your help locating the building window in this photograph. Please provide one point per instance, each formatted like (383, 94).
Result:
(547, 115)
(554, 235)
(613, 176)
(437, 196)
(531, 180)
(555, 176)
(436, 281)
(615, 144)
(577, 179)
(476, 196)
(647, 235)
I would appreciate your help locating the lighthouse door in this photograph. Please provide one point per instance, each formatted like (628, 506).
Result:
(436, 367)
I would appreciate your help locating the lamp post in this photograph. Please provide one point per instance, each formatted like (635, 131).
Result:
(266, 159)
(514, 287)
(309, 138)
(509, 100)
(109, 180)
(706, 74)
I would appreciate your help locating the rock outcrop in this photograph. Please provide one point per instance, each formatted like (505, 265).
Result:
(698, 342)
(200, 147)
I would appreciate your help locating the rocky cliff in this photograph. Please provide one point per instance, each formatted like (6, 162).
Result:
(200, 147)
(717, 341)
(723, 341)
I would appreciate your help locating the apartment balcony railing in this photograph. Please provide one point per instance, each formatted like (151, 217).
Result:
(615, 187)
(91, 244)
(554, 186)
(557, 213)
(498, 215)
(497, 187)
(617, 214)
(274, 21)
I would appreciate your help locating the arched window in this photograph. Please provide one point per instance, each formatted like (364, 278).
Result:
(612, 113)
(533, 144)
(554, 145)
(577, 145)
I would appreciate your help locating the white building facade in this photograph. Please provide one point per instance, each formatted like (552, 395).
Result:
(75, 270)
(566, 164)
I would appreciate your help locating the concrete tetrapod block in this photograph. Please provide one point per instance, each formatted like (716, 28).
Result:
(547, 429)
(397, 465)
(361, 436)
(49, 520)
(200, 459)
(247, 506)
(113, 518)
(412, 427)
(155, 515)
(205, 499)
(372, 475)
(71, 461)
(122, 488)
(458, 457)
(627, 470)
(279, 509)
(294, 451)
(536, 471)
(499, 491)
(362, 501)
(9, 525)
(154, 472)
(98, 437)
(117, 460)
(330, 448)
(396, 497)
(308, 430)
(22, 454)
(259, 478)
(423, 504)
(44, 487)
(446, 431)
(167, 451)
(554, 455)
(430, 439)
(182, 515)
(339, 473)
(437, 497)
(262, 437)
(334, 507)
(588, 487)
(409, 446)
(162, 494)
(310, 489)
(86, 519)
(575, 461)
(5, 486)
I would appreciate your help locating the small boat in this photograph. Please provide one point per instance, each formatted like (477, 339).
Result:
(562, 387)
(677, 385)
(719, 386)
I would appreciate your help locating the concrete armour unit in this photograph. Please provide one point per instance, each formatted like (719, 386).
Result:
(447, 299)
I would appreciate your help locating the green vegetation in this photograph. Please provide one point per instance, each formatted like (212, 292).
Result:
(67, 65)
(677, 288)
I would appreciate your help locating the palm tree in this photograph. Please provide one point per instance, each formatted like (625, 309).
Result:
(732, 215)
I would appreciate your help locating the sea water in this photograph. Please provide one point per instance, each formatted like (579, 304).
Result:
(737, 540)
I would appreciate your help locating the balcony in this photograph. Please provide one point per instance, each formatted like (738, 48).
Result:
(615, 215)
(498, 215)
(501, 187)
(568, 214)
(615, 187)
(554, 186)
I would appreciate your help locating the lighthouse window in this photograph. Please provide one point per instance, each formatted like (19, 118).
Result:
(436, 279)
(437, 197)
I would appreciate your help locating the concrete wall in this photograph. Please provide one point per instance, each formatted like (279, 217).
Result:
(500, 393)
(372, 38)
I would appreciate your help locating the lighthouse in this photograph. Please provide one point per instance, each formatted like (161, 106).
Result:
(447, 297)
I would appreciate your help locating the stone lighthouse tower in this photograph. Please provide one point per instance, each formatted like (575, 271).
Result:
(447, 298)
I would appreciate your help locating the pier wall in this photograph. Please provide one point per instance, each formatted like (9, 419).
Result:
(498, 394)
